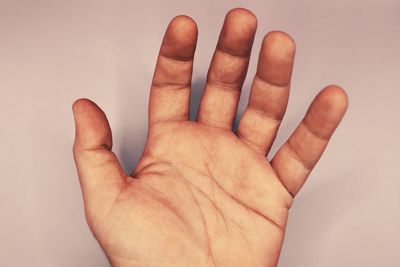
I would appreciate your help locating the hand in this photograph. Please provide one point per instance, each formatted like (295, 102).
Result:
(201, 194)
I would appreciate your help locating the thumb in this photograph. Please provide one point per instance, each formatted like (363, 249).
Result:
(100, 173)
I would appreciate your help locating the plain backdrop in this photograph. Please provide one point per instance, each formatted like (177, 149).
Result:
(53, 52)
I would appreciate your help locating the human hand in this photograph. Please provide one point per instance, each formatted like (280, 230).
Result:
(202, 195)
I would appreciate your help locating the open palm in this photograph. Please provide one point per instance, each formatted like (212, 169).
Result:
(201, 194)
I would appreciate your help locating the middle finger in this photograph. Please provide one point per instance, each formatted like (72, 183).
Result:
(228, 70)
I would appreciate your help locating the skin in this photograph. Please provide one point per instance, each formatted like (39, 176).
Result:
(203, 195)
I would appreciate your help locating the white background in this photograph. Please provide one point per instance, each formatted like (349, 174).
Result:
(52, 52)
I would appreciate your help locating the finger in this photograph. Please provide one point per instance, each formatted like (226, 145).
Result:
(100, 173)
(170, 89)
(228, 69)
(298, 156)
(269, 92)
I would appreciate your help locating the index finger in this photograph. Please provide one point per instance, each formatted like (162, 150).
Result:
(170, 89)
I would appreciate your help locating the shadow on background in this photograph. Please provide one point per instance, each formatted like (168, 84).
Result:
(132, 136)
(316, 213)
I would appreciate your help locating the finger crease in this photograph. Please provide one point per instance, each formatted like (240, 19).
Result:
(263, 114)
(296, 155)
(254, 145)
(272, 83)
(225, 85)
(170, 86)
(177, 58)
(314, 133)
(230, 54)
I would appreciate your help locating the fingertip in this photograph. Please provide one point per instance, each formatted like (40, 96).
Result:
(243, 16)
(84, 108)
(327, 110)
(180, 38)
(333, 99)
(91, 124)
(276, 58)
(279, 42)
(338, 95)
(238, 31)
(80, 103)
(184, 24)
